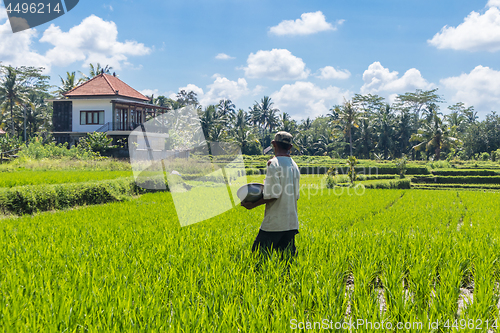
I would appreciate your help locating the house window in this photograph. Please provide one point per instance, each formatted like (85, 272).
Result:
(91, 117)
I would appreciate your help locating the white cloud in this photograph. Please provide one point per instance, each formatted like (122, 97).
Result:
(480, 88)
(277, 64)
(223, 56)
(16, 49)
(304, 99)
(493, 3)
(3, 13)
(478, 32)
(225, 88)
(194, 88)
(149, 92)
(221, 88)
(379, 80)
(93, 40)
(190, 87)
(328, 72)
(308, 23)
(108, 7)
(258, 90)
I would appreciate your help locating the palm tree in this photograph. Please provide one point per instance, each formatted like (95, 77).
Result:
(385, 130)
(434, 135)
(11, 92)
(208, 120)
(264, 113)
(242, 136)
(287, 124)
(403, 132)
(225, 110)
(323, 145)
(348, 118)
(272, 120)
(34, 112)
(68, 83)
(306, 124)
(241, 120)
(254, 113)
(457, 122)
(455, 119)
(470, 115)
(366, 138)
(96, 70)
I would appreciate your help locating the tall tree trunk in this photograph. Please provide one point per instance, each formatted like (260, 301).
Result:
(12, 119)
(350, 141)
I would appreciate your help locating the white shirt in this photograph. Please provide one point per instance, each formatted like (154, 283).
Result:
(282, 183)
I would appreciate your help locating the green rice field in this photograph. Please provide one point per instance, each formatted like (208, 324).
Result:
(372, 257)
(21, 178)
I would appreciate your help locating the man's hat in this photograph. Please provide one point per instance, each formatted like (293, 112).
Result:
(284, 137)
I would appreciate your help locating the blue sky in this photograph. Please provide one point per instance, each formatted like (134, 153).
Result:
(306, 55)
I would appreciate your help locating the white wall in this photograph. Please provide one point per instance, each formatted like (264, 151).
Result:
(91, 105)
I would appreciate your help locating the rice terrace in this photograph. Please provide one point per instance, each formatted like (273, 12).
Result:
(250, 166)
(382, 254)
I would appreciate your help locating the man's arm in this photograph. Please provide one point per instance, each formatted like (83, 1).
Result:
(252, 205)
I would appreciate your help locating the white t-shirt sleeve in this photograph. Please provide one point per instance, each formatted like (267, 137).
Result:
(272, 183)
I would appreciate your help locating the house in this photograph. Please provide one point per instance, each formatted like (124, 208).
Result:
(101, 104)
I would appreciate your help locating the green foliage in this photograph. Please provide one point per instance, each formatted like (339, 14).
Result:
(388, 184)
(457, 179)
(439, 165)
(351, 163)
(334, 179)
(253, 147)
(465, 172)
(31, 199)
(495, 155)
(401, 165)
(97, 142)
(437, 186)
(9, 143)
(330, 181)
(18, 85)
(484, 156)
(36, 149)
(253, 171)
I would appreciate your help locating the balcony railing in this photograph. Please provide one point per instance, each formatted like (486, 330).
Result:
(118, 126)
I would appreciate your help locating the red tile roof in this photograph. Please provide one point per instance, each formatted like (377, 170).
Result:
(105, 85)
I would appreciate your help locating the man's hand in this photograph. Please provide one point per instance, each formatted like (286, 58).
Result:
(248, 205)
(252, 205)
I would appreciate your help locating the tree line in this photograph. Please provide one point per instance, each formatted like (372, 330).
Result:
(366, 126)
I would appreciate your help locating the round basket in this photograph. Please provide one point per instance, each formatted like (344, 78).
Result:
(251, 192)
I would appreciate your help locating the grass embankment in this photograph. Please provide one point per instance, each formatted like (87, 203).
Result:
(31, 199)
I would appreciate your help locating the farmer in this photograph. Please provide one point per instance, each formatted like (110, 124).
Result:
(281, 192)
